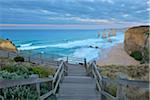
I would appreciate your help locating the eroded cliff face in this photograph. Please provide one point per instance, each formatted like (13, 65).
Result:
(7, 45)
(136, 39)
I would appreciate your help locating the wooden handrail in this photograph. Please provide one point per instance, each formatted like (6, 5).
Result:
(59, 76)
(5, 83)
(62, 70)
(126, 82)
(121, 83)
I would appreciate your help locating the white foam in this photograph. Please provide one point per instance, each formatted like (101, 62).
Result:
(72, 44)
(26, 45)
(78, 43)
(31, 47)
(88, 53)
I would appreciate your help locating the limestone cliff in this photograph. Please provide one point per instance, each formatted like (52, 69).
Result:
(7, 45)
(136, 39)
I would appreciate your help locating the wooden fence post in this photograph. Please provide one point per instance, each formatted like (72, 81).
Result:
(65, 69)
(103, 88)
(38, 89)
(50, 83)
(85, 64)
(120, 92)
(67, 59)
(90, 68)
(37, 84)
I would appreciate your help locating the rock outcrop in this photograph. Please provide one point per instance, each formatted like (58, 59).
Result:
(7, 45)
(135, 39)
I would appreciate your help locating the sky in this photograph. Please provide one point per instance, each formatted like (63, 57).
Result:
(73, 13)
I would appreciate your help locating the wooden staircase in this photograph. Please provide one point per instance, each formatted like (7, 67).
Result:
(77, 85)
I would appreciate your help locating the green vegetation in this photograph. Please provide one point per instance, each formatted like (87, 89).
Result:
(137, 55)
(42, 71)
(19, 59)
(14, 70)
(18, 92)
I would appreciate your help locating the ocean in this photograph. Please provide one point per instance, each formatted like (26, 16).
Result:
(61, 43)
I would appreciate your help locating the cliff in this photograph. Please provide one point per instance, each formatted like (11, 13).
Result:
(136, 39)
(7, 45)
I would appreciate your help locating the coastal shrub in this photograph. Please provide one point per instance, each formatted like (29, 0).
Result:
(17, 92)
(23, 71)
(19, 59)
(42, 71)
(18, 69)
(137, 55)
(27, 69)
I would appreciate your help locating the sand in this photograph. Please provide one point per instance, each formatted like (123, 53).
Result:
(115, 56)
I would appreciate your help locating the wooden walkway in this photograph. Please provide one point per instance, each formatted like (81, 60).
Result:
(77, 85)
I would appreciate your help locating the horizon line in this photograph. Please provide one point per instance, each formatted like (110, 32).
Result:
(66, 26)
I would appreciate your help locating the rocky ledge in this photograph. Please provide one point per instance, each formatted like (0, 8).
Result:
(137, 39)
(7, 45)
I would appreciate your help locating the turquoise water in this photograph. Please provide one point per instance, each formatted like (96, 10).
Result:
(61, 43)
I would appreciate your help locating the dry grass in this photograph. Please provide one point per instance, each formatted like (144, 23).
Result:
(138, 72)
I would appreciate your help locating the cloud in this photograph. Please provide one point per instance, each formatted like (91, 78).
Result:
(125, 15)
(73, 11)
(82, 20)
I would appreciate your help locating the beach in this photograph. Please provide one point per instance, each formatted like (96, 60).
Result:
(115, 55)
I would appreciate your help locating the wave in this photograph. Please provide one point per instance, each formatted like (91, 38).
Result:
(67, 45)
(31, 47)
(88, 53)
(75, 44)
(78, 43)
(26, 45)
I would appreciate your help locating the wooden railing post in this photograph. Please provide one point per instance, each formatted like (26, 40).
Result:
(67, 59)
(85, 63)
(50, 83)
(38, 89)
(120, 92)
(53, 84)
(90, 68)
(37, 84)
(65, 69)
(103, 89)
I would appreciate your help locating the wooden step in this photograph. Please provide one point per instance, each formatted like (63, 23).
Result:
(78, 79)
(78, 98)
(77, 86)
